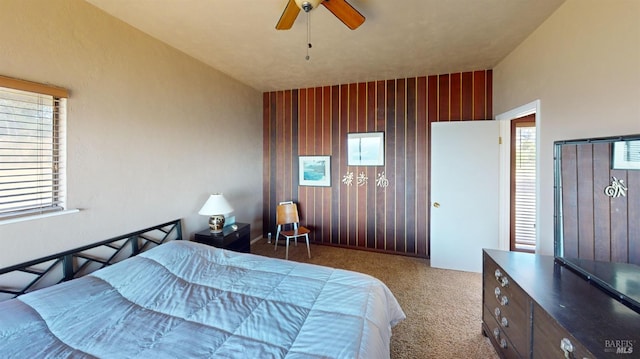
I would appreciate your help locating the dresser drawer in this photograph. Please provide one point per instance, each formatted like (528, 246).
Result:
(549, 338)
(508, 305)
(500, 340)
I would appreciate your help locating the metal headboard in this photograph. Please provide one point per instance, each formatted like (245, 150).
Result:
(43, 272)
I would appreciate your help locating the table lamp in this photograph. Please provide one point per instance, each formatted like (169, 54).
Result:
(216, 207)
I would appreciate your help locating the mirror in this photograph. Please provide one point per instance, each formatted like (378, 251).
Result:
(597, 213)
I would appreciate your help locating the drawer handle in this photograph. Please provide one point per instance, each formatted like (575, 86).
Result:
(567, 347)
(497, 292)
(498, 274)
(504, 300)
(504, 281)
(503, 343)
(497, 312)
(504, 322)
(496, 333)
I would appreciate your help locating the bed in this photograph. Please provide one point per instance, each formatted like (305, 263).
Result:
(188, 300)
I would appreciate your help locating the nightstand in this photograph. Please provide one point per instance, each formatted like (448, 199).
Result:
(235, 240)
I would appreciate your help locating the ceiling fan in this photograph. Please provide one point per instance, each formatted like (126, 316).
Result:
(340, 8)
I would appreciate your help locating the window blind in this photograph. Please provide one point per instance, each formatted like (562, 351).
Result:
(632, 151)
(525, 188)
(32, 148)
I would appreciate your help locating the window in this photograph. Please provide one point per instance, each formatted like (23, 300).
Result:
(32, 148)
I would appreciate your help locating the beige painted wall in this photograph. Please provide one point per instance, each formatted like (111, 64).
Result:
(583, 64)
(146, 125)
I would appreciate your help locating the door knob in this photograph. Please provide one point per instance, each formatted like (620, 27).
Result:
(436, 204)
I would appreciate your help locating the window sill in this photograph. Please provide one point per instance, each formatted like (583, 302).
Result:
(37, 216)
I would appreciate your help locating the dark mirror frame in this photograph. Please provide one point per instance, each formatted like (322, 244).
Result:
(605, 275)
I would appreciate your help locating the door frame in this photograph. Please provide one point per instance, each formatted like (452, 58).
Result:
(505, 170)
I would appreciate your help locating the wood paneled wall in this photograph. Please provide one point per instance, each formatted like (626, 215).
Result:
(315, 121)
(595, 226)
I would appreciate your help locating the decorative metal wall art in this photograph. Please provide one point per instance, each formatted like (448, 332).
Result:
(381, 180)
(348, 179)
(616, 189)
(362, 179)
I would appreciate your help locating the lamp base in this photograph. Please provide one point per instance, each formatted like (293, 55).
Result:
(216, 223)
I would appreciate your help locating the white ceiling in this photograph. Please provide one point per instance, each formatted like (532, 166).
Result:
(399, 39)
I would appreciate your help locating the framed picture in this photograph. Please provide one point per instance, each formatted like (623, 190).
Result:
(315, 171)
(626, 155)
(365, 149)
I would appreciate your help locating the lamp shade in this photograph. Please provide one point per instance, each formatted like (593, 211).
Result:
(216, 204)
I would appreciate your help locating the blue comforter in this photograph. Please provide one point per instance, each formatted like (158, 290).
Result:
(187, 300)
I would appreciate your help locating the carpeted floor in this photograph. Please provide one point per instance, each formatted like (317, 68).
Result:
(443, 307)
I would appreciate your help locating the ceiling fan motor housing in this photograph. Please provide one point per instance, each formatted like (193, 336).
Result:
(308, 5)
(340, 8)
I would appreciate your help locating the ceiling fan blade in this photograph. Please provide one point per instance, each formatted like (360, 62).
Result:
(289, 16)
(345, 12)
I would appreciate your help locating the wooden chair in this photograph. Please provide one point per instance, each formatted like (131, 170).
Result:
(287, 215)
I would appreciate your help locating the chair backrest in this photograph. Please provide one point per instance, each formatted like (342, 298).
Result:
(287, 213)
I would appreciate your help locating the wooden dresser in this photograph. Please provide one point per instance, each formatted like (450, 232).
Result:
(534, 307)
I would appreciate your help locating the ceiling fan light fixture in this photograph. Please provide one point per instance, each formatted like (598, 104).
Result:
(308, 5)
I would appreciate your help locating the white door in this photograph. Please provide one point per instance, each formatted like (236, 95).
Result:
(464, 193)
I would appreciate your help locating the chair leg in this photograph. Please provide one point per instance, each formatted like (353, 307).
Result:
(286, 254)
(277, 236)
(308, 250)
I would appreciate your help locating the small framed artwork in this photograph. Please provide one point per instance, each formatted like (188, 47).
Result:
(315, 171)
(365, 149)
(626, 155)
